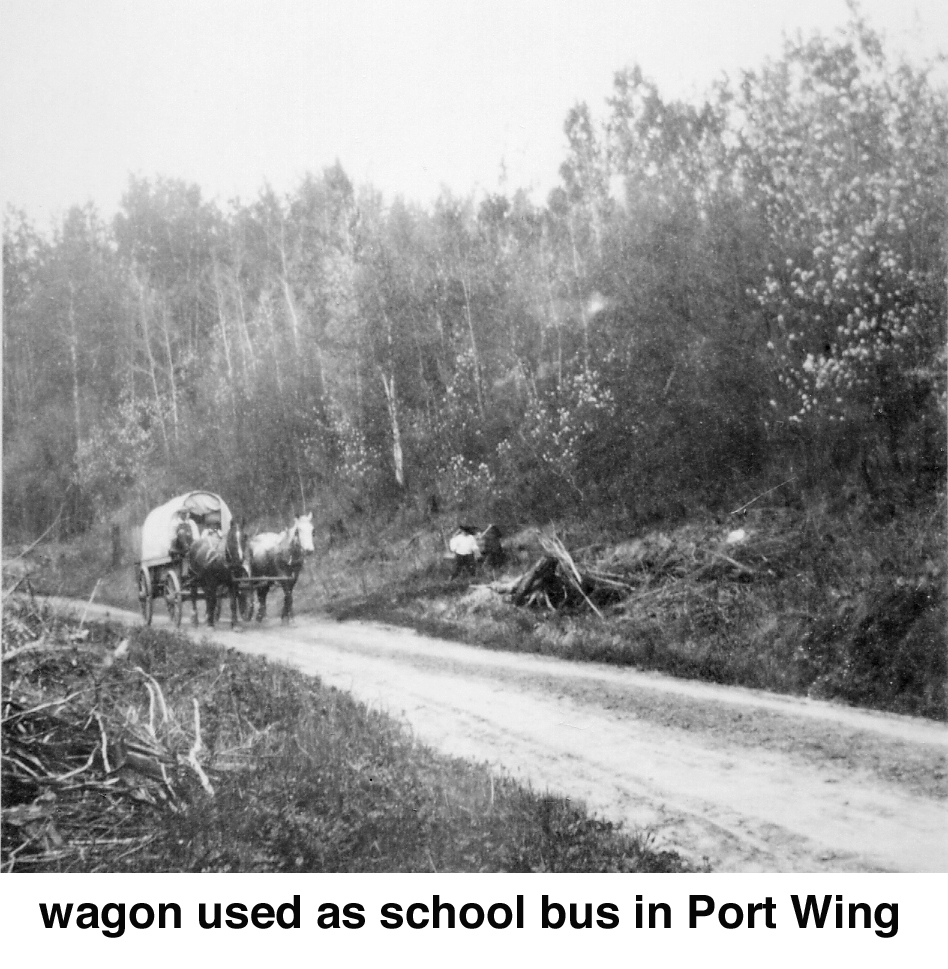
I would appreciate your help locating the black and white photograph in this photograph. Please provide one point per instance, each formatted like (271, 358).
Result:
(495, 437)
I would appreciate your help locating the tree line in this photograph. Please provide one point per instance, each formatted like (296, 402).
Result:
(714, 294)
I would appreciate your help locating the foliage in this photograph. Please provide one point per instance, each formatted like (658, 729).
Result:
(717, 292)
(359, 464)
(557, 431)
(113, 459)
(464, 484)
(850, 161)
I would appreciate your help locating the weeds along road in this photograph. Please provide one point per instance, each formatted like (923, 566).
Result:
(744, 780)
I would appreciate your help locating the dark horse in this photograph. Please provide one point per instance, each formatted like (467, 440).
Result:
(279, 557)
(215, 561)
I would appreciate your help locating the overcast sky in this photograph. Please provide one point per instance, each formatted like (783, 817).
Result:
(409, 95)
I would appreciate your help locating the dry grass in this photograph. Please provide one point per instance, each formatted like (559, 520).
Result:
(91, 746)
(136, 750)
(830, 605)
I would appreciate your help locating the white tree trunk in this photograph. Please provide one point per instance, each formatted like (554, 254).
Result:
(152, 367)
(397, 456)
(477, 359)
(74, 357)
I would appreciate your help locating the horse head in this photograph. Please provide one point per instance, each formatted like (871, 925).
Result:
(302, 530)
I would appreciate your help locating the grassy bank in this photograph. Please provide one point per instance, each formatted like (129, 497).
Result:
(825, 603)
(137, 750)
(831, 601)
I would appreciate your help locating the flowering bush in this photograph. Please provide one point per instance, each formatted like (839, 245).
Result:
(465, 483)
(459, 425)
(850, 160)
(556, 426)
(114, 457)
(359, 464)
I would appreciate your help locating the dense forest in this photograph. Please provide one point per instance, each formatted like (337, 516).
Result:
(717, 297)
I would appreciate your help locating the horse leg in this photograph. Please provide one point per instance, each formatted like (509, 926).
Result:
(245, 602)
(210, 600)
(194, 604)
(262, 591)
(234, 612)
(287, 614)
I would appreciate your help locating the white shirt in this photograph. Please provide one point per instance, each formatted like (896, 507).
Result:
(463, 544)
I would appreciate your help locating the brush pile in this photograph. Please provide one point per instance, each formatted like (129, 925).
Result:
(651, 569)
(92, 752)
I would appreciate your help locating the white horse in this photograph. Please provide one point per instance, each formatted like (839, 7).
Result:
(279, 556)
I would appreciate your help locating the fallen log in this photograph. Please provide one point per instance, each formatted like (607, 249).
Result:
(655, 568)
(552, 545)
(538, 577)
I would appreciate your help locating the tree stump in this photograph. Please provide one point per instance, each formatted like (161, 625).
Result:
(539, 577)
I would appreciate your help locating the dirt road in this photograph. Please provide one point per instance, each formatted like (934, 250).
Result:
(745, 780)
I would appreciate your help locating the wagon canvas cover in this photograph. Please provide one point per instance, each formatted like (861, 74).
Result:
(159, 527)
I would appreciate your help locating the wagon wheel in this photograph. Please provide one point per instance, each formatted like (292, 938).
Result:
(144, 594)
(173, 597)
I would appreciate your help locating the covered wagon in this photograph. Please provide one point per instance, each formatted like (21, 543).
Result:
(162, 568)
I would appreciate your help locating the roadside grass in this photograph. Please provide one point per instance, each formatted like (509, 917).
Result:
(836, 605)
(133, 749)
(832, 605)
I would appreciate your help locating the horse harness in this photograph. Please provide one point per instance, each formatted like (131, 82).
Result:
(292, 557)
(219, 550)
